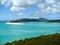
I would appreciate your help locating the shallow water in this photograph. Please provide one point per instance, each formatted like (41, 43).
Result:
(11, 32)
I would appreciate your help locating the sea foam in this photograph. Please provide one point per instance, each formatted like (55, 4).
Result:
(14, 23)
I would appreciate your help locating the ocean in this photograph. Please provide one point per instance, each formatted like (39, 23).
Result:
(16, 31)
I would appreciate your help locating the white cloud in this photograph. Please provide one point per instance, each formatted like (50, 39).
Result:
(20, 14)
(49, 9)
(50, 1)
(54, 10)
(33, 1)
(41, 5)
(49, 6)
(19, 3)
(22, 3)
(16, 8)
(3, 1)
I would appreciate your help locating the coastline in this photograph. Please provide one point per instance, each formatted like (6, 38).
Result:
(43, 40)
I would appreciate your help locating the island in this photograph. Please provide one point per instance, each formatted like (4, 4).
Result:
(50, 39)
(34, 20)
(54, 21)
(30, 20)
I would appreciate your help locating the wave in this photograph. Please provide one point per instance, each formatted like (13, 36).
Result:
(14, 23)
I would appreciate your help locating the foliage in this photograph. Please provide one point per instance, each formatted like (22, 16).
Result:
(51, 39)
(30, 20)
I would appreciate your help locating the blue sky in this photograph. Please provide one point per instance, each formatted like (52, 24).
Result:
(16, 9)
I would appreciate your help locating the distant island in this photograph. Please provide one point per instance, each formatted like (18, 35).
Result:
(54, 21)
(50, 39)
(34, 20)
(30, 20)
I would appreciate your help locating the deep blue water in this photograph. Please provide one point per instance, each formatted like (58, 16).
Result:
(11, 32)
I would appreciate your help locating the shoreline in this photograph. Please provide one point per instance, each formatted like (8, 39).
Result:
(32, 39)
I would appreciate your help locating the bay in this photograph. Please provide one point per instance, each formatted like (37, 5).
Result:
(11, 32)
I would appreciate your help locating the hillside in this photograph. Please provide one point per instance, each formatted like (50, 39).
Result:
(54, 21)
(30, 20)
(51, 39)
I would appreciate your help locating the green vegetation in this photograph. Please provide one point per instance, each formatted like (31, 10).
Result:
(30, 20)
(55, 21)
(51, 39)
(35, 20)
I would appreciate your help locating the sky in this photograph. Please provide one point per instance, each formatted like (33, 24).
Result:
(16, 9)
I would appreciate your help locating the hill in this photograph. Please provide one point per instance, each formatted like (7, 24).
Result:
(51, 39)
(30, 20)
(54, 21)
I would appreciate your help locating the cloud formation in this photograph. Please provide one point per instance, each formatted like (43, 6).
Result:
(45, 6)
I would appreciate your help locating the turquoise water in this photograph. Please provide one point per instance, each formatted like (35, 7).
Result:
(11, 32)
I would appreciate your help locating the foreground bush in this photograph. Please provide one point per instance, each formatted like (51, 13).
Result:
(51, 39)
